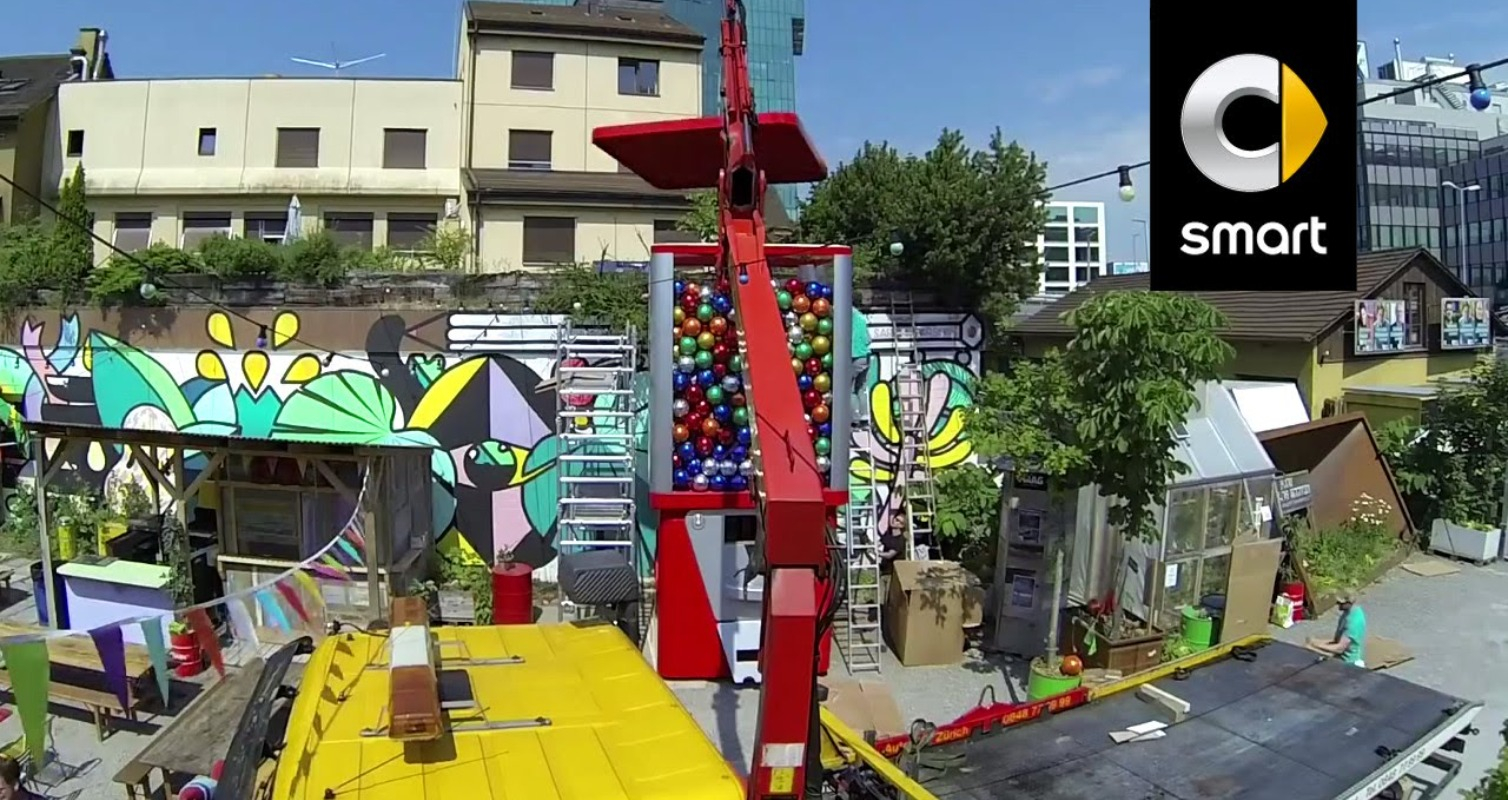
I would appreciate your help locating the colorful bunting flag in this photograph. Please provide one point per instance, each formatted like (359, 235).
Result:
(331, 568)
(157, 651)
(345, 546)
(290, 595)
(353, 531)
(30, 679)
(270, 607)
(308, 585)
(241, 623)
(204, 631)
(111, 646)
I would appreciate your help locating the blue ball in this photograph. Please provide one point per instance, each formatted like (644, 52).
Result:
(681, 479)
(738, 483)
(803, 382)
(719, 451)
(693, 467)
(680, 287)
(718, 483)
(706, 377)
(744, 438)
(721, 412)
(814, 290)
(1481, 99)
(721, 304)
(686, 451)
(680, 381)
(738, 453)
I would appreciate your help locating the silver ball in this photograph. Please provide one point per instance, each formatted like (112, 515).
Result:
(705, 293)
(790, 318)
(686, 364)
(795, 335)
(824, 464)
(680, 407)
(709, 466)
(731, 383)
(746, 468)
(699, 483)
(827, 398)
(727, 468)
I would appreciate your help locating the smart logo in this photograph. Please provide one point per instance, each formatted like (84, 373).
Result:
(1201, 125)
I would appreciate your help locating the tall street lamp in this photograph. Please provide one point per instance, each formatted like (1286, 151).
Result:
(1461, 222)
(1146, 238)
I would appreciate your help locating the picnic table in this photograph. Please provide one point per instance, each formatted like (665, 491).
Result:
(78, 676)
(197, 738)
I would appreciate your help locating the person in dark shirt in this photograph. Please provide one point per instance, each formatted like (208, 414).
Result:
(10, 781)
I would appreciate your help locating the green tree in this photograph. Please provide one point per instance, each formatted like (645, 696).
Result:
(74, 254)
(968, 219)
(1493, 785)
(968, 514)
(701, 220)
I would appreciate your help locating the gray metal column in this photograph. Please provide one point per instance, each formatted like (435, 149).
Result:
(661, 369)
(842, 408)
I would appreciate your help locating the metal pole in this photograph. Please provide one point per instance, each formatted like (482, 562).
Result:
(41, 476)
(1461, 229)
(1146, 237)
(661, 370)
(842, 372)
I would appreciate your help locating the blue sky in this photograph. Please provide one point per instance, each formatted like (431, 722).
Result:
(1068, 80)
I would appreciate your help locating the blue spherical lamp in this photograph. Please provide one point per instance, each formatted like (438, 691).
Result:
(1481, 98)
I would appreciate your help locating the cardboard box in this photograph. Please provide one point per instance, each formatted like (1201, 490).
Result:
(929, 604)
(865, 706)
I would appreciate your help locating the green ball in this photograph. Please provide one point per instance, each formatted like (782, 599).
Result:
(827, 361)
(714, 395)
(825, 327)
(703, 359)
(688, 344)
(741, 416)
(823, 446)
(804, 351)
(736, 364)
(704, 312)
(783, 299)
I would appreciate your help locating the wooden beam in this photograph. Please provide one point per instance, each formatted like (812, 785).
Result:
(1177, 707)
(192, 490)
(340, 486)
(44, 475)
(48, 468)
(146, 458)
(374, 537)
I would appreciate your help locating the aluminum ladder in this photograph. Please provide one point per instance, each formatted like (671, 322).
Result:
(594, 427)
(918, 502)
(860, 637)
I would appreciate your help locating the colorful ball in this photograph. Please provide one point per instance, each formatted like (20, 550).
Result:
(680, 287)
(722, 414)
(727, 468)
(741, 416)
(725, 436)
(794, 285)
(700, 483)
(681, 433)
(797, 365)
(714, 395)
(827, 360)
(825, 326)
(718, 370)
(706, 340)
(680, 479)
(738, 399)
(821, 344)
(736, 363)
(813, 366)
(789, 318)
(803, 381)
(745, 438)
(689, 303)
(720, 353)
(693, 394)
(731, 384)
(680, 407)
(703, 360)
(718, 325)
(814, 289)
(808, 322)
(795, 335)
(703, 445)
(678, 315)
(710, 427)
(738, 483)
(783, 299)
(824, 464)
(803, 351)
(822, 382)
(820, 414)
(811, 398)
(685, 364)
(722, 303)
(821, 307)
(823, 446)
(691, 327)
(687, 345)
(801, 304)
(704, 312)
(680, 380)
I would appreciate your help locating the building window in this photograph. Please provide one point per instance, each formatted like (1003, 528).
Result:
(298, 148)
(639, 76)
(798, 36)
(529, 150)
(1057, 275)
(207, 138)
(1055, 233)
(1055, 254)
(1086, 215)
(549, 240)
(1413, 300)
(267, 226)
(350, 230)
(533, 70)
(410, 232)
(1087, 253)
(404, 148)
(133, 231)
(668, 231)
(201, 225)
(1082, 275)
(1057, 214)
(75, 144)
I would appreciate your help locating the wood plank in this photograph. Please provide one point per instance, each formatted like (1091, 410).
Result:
(78, 652)
(201, 733)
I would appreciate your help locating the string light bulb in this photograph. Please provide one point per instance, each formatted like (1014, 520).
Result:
(1479, 95)
(262, 337)
(1127, 189)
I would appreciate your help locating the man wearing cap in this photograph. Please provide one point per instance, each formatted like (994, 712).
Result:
(1350, 632)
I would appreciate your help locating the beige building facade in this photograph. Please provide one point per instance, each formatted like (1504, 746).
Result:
(504, 150)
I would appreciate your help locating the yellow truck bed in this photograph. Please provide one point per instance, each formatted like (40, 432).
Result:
(580, 717)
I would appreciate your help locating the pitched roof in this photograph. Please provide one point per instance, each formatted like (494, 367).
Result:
(38, 77)
(1260, 316)
(582, 20)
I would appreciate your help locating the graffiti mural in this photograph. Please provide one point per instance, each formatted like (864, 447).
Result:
(476, 388)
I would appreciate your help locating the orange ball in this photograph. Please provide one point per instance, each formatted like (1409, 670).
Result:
(710, 427)
(1072, 665)
(691, 327)
(820, 414)
(801, 304)
(821, 307)
(718, 326)
(681, 433)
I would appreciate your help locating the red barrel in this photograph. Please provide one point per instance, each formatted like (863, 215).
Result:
(1295, 593)
(512, 594)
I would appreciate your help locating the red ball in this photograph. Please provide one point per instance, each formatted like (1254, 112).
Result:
(693, 395)
(694, 421)
(811, 431)
(794, 286)
(814, 366)
(723, 286)
(689, 302)
(811, 397)
(1072, 665)
(694, 289)
(720, 352)
(703, 408)
(737, 400)
(726, 436)
(703, 445)
(719, 370)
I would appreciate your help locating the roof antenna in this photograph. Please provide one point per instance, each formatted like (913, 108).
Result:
(335, 65)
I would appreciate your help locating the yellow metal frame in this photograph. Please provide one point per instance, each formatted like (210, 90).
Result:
(843, 746)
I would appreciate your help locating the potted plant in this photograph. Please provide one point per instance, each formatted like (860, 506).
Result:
(1053, 674)
(1473, 541)
(187, 656)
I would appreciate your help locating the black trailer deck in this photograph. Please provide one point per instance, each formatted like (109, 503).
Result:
(1281, 725)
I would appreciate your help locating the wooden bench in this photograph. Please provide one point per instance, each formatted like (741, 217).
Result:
(100, 705)
(135, 777)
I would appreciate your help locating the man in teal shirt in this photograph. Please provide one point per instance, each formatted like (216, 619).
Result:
(1350, 632)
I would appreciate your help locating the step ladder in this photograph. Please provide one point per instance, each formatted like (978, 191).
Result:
(594, 427)
(918, 501)
(859, 635)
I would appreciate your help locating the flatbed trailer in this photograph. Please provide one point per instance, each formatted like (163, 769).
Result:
(1267, 721)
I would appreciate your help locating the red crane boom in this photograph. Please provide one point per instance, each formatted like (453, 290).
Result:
(740, 154)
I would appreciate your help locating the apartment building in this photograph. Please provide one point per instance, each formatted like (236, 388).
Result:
(28, 91)
(373, 162)
(537, 81)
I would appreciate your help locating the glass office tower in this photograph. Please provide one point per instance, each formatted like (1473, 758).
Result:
(1399, 167)
(1482, 263)
(777, 34)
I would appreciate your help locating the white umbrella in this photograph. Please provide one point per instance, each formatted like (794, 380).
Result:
(294, 226)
